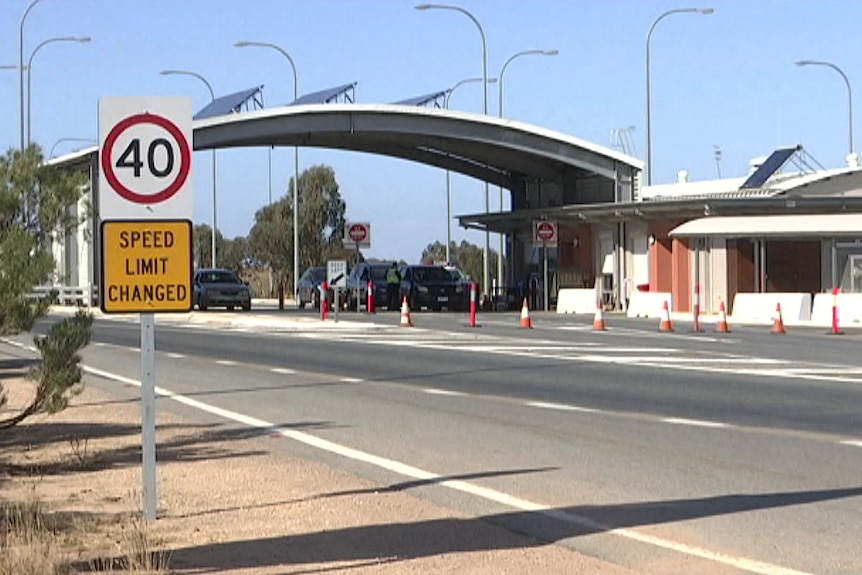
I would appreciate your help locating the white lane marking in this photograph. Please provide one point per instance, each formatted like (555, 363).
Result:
(433, 391)
(743, 563)
(131, 348)
(351, 380)
(562, 407)
(283, 370)
(694, 422)
(226, 362)
(174, 355)
(852, 442)
(100, 344)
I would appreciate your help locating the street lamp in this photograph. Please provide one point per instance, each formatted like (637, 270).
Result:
(500, 112)
(648, 91)
(212, 98)
(80, 39)
(284, 53)
(448, 173)
(849, 90)
(21, 67)
(485, 270)
(61, 140)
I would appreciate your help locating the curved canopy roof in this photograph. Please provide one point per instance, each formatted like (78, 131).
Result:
(492, 149)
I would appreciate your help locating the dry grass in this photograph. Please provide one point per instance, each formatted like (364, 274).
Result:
(35, 542)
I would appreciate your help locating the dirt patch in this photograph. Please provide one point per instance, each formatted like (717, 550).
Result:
(228, 505)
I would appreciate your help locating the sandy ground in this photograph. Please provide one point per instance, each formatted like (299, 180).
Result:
(230, 505)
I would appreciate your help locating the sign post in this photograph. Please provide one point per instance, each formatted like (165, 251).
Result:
(546, 233)
(146, 204)
(336, 277)
(359, 234)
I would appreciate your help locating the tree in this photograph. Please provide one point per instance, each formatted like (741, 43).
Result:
(34, 207)
(202, 242)
(321, 225)
(234, 255)
(467, 256)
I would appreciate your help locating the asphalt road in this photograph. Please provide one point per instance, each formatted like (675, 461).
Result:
(670, 453)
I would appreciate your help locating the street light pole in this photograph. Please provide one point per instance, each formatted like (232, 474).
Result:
(21, 67)
(648, 89)
(215, 212)
(80, 39)
(284, 53)
(485, 269)
(849, 90)
(500, 113)
(448, 173)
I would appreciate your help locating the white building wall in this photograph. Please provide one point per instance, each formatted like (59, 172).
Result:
(717, 281)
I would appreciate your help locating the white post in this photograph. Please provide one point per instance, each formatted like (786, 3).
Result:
(148, 412)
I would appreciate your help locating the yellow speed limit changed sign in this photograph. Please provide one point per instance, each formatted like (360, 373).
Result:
(146, 266)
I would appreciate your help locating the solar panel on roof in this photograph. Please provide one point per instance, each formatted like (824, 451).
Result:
(323, 96)
(229, 104)
(771, 165)
(421, 100)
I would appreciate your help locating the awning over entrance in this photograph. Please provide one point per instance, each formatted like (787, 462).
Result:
(782, 226)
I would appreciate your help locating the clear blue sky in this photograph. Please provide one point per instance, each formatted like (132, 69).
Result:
(726, 79)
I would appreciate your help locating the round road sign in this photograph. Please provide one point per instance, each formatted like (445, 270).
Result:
(546, 231)
(357, 233)
(152, 162)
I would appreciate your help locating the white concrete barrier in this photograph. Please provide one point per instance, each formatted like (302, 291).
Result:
(849, 309)
(572, 300)
(648, 303)
(760, 307)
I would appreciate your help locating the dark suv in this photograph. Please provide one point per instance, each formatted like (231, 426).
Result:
(214, 287)
(432, 287)
(357, 283)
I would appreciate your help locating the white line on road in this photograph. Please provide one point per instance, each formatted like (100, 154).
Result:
(743, 563)
(132, 348)
(694, 422)
(433, 391)
(351, 380)
(283, 370)
(852, 442)
(226, 362)
(174, 355)
(562, 407)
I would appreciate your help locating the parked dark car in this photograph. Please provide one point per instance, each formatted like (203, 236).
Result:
(308, 287)
(215, 287)
(432, 287)
(357, 281)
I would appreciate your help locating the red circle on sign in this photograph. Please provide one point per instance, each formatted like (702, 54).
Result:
(108, 167)
(545, 231)
(357, 233)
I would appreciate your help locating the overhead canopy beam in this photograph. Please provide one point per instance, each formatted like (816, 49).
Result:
(780, 226)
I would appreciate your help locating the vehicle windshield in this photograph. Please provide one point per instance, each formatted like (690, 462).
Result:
(431, 274)
(378, 273)
(316, 275)
(219, 277)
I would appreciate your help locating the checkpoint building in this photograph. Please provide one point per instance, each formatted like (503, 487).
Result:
(789, 226)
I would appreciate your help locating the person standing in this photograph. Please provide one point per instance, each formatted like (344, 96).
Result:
(393, 286)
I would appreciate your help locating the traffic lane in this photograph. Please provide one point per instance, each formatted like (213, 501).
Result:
(552, 375)
(611, 468)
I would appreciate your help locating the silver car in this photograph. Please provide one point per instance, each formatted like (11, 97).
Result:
(216, 287)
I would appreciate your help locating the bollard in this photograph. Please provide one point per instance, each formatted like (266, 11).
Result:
(836, 327)
(280, 295)
(473, 289)
(324, 301)
(369, 305)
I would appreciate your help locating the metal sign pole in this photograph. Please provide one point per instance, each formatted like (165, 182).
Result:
(337, 289)
(148, 412)
(358, 291)
(545, 257)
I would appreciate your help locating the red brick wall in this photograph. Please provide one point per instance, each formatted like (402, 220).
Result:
(793, 266)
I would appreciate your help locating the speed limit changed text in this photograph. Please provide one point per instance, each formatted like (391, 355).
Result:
(147, 266)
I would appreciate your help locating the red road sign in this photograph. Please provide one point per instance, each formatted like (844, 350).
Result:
(180, 143)
(358, 233)
(546, 231)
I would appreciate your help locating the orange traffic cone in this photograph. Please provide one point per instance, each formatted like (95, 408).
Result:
(599, 323)
(666, 324)
(406, 316)
(526, 321)
(778, 322)
(721, 326)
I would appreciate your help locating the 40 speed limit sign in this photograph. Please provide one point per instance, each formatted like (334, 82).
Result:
(145, 158)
